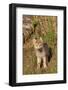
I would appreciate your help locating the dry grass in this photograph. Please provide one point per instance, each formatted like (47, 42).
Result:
(49, 28)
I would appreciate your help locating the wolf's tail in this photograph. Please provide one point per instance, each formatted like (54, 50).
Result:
(50, 54)
(48, 51)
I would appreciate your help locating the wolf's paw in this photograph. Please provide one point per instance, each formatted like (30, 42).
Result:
(38, 67)
(45, 66)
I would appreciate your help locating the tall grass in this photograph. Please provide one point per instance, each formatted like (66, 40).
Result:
(50, 37)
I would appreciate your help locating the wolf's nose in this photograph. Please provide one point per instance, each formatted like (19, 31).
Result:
(40, 49)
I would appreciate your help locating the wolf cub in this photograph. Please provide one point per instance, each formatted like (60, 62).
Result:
(42, 52)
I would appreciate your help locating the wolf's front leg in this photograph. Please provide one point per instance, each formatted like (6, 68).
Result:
(45, 62)
(38, 62)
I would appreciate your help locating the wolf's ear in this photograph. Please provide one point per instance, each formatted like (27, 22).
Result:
(41, 39)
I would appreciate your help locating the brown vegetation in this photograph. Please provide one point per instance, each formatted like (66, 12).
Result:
(39, 26)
